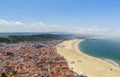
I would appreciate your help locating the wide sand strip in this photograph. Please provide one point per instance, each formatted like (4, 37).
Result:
(82, 63)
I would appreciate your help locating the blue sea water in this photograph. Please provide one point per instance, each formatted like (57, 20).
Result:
(102, 48)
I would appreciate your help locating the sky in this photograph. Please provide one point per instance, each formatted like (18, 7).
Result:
(74, 16)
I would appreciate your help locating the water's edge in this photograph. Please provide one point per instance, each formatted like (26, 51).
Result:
(105, 59)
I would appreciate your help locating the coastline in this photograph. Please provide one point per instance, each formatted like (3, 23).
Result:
(112, 62)
(85, 64)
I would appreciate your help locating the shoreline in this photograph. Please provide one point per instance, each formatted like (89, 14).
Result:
(105, 59)
(112, 62)
(85, 64)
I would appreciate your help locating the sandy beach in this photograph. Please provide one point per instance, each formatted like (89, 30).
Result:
(84, 64)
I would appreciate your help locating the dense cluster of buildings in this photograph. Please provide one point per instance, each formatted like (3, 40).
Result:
(32, 60)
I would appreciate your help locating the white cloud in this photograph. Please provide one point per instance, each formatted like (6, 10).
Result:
(42, 27)
(81, 29)
(55, 25)
(18, 26)
(18, 23)
(10, 23)
(39, 24)
(117, 30)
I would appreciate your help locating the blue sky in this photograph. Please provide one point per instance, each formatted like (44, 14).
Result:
(47, 15)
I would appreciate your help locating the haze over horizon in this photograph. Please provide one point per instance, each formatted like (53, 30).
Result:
(71, 16)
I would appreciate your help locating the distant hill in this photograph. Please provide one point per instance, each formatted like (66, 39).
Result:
(39, 37)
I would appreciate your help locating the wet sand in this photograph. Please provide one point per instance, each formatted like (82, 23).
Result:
(85, 64)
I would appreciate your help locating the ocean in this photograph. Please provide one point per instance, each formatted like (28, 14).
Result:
(108, 49)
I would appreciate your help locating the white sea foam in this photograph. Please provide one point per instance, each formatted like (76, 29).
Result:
(113, 62)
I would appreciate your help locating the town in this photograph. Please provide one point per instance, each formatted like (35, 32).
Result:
(33, 59)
